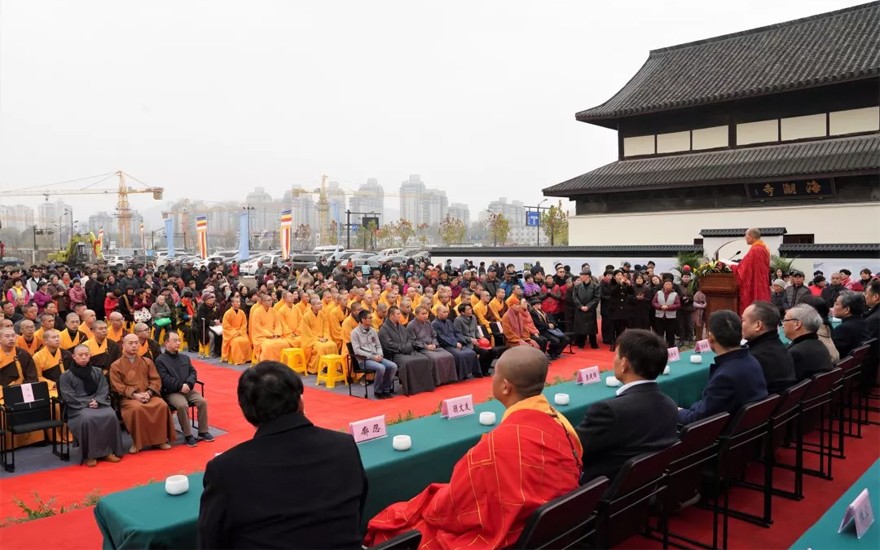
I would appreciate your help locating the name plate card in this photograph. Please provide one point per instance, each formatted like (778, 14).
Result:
(860, 511)
(702, 346)
(368, 429)
(589, 375)
(673, 354)
(455, 407)
(27, 393)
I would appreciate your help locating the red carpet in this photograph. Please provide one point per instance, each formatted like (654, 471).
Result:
(70, 485)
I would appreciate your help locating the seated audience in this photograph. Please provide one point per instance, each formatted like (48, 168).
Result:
(531, 457)
(467, 324)
(810, 356)
(90, 418)
(147, 347)
(103, 350)
(145, 413)
(466, 362)
(735, 379)
(615, 430)
(178, 388)
(51, 361)
(872, 322)
(369, 354)
(16, 365)
(852, 330)
(236, 345)
(416, 370)
(248, 490)
(760, 327)
(424, 338)
(548, 329)
(824, 332)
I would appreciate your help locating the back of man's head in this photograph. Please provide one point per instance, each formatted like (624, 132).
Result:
(525, 368)
(726, 327)
(267, 391)
(645, 351)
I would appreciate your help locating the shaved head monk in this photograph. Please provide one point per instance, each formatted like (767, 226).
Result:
(534, 451)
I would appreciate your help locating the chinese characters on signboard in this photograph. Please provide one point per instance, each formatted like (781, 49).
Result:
(782, 190)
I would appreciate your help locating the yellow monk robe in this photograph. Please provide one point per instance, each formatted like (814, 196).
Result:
(17, 367)
(236, 343)
(303, 306)
(511, 299)
(150, 349)
(68, 341)
(31, 347)
(50, 366)
(289, 317)
(86, 330)
(404, 318)
(103, 355)
(116, 335)
(265, 329)
(311, 329)
(497, 308)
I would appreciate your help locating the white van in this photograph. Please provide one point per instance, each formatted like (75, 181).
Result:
(332, 251)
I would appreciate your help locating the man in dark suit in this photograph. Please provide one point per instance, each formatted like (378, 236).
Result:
(810, 356)
(853, 330)
(760, 326)
(872, 322)
(640, 419)
(293, 485)
(735, 379)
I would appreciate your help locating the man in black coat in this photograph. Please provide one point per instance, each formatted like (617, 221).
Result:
(810, 356)
(760, 322)
(640, 419)
(872, 323)
(853, 330)
(294, 485)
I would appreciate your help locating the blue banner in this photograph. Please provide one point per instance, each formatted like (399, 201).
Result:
(169, 236)
(244, 253)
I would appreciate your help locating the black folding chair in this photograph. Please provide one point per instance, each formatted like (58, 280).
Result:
(498, 350)
(28, 408)
(498, 334)
(354, 368)
(739, 445)
(870, 379)
(625, 508)
(855, 392)
(697, 449)
(815, 411)
(406, 541)
(564, 522)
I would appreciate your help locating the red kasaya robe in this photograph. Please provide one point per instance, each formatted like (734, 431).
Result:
(526, 461)
(753, 276)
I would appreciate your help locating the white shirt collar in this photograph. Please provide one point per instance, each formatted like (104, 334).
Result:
(625, 387)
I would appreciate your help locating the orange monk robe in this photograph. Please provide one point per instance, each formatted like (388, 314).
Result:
(336, 317)
(527, 460)
(86, 330)
(513, 298)
(17, 367)
(515, 331)
(265, 329)
(50, 367)
(404, 318)
(312, 328)
(69, 342)
(481, 310)
(148, 423)
(31, 347)
(116, 335)
(302, 306)
(236, 344)
(348, 325)
(752, 275)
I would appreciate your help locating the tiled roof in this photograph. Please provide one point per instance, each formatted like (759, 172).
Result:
(826, 250)
(839, 156)
(765, 232)
(566, 251)
(838, 46)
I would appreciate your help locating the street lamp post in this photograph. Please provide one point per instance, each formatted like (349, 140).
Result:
(248, 208)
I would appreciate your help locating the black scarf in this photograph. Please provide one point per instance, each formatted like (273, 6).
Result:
(85, 374)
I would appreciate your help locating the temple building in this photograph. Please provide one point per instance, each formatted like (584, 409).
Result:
(776, 127)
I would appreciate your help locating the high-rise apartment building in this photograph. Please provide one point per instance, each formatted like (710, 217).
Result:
(370, 197)
(18, 217)
(411, 192)
(514, 211)
(460, 211)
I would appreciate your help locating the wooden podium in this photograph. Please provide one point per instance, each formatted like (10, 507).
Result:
(721, 292)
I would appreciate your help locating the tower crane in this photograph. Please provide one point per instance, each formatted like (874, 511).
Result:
(123, 210)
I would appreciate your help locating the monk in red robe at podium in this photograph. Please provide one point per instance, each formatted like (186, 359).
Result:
(753, 272)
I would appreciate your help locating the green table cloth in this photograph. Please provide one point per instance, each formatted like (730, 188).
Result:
(146, 516)
(823, 535)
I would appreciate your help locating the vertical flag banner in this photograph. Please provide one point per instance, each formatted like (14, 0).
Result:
(286, 225)
(202, 233)
(244, 252)
(169, 236)
(98, 247)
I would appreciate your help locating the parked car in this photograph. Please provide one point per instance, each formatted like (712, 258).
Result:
(304, 261)
(11, 261)
(114, 261)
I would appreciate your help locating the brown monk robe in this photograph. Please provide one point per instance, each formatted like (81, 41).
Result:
(16, 367)
(145, 413)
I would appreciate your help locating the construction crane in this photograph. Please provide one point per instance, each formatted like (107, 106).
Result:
(123, 210)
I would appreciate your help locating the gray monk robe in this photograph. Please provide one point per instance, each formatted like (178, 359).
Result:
(96, 430)
(414, 369)
(466, 362)
(423, 334)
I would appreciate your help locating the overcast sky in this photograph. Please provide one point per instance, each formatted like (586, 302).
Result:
(210, 99)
